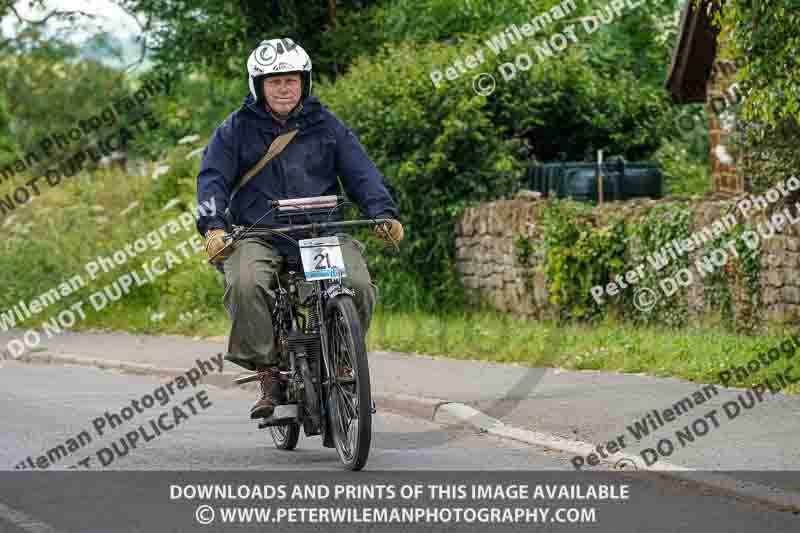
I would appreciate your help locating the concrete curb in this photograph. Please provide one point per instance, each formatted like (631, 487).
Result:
(458, 414)
(464, 415)
(103, 364)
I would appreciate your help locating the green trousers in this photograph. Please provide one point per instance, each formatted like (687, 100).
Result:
(250, 283)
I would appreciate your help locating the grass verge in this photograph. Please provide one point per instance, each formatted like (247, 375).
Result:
(698, 354)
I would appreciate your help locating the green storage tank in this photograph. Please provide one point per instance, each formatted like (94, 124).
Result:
(621, 180)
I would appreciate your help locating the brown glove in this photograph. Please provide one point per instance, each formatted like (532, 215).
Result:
(214, 245)
(390, 231)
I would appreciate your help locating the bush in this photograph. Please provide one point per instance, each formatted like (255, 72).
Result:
(682, 175)
(581, 253)
(443, 148)
(94, 215)
(196, 105)
(363, 31)
(440, 151)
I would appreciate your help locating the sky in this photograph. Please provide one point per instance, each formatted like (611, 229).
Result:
(109, 18)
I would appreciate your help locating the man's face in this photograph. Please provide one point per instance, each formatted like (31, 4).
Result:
(283, 92)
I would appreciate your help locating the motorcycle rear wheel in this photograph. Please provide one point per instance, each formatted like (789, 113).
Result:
(286, 436)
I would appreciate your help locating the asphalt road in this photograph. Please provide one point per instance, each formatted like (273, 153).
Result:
(214, 441)
(46, 405)
(588, 406)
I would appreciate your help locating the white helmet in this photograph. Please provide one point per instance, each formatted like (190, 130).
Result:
(277, 56)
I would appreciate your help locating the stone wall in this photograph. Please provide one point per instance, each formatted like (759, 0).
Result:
(489, 267)
(487, 259)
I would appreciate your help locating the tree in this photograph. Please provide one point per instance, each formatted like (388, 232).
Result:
(763, 36)
(216, 36)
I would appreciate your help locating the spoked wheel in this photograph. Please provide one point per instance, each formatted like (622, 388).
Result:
(285, 437)
(349, 396)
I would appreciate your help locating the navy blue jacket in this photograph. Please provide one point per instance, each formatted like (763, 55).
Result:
(308, 166)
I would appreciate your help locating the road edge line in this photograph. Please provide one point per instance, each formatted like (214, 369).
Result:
(454, 413)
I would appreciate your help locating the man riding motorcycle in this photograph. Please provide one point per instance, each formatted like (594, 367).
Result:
(280, 101)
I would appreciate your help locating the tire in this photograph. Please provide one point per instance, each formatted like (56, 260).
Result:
(349, 394)
(285, 437)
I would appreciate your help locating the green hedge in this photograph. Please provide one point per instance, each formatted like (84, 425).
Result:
(445, 148)
(439, 150)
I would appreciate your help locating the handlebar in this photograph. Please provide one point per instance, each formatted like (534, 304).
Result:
(238, 231)
(300, 205)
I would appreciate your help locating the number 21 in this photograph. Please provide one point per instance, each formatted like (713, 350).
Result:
(322, 257)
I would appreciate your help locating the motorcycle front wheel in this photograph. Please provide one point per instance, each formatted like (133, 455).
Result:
(349, 395)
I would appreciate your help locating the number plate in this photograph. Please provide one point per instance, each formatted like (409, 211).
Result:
(322, 258)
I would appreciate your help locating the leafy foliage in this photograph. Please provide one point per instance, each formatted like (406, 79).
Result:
(763, 37)
(49, 91)
(440, 152)
(683, 175)
(735, 291)
(196, 105)
(421, 21)
(572, 110)
(6, 144)
(584, 251)
(660, 227)
(580, 254)
(216, 36)
(764, 40)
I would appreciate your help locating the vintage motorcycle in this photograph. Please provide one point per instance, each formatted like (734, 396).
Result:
(320, 336)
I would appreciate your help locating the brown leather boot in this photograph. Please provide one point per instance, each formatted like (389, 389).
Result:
(271, 393)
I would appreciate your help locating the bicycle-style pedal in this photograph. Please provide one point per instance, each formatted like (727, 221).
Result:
(281, 416)
(283, 375)
(246, 379)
